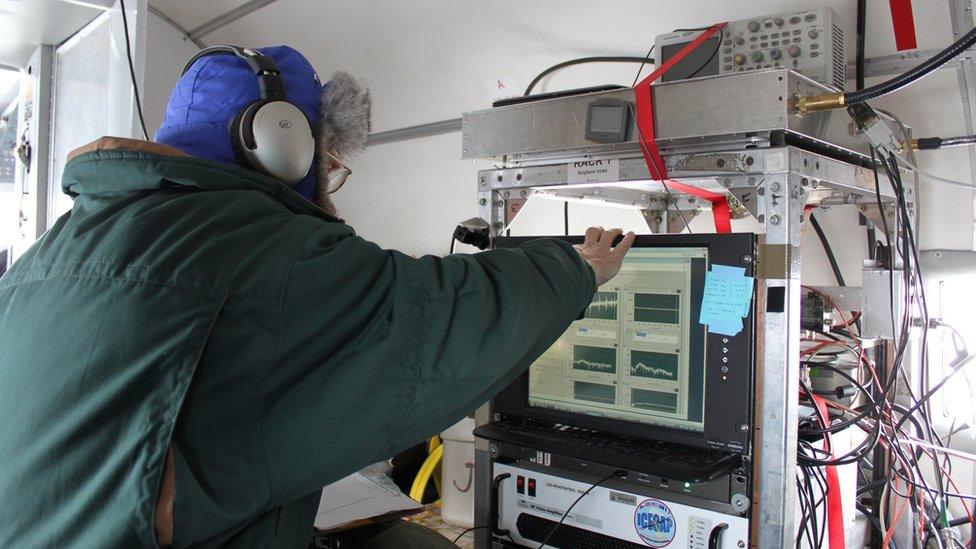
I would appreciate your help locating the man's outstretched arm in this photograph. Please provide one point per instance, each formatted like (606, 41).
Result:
(378, 350)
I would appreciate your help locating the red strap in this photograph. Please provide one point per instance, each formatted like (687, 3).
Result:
(644, 101)
(903, 22)
(835, 507)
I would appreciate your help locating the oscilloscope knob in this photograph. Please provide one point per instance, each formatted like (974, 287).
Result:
(754, 26)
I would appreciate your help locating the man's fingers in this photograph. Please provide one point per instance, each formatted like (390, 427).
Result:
(607, 238)
(592, 235)
(621, 249)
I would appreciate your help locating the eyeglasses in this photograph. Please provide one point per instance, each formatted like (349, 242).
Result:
(337, 176)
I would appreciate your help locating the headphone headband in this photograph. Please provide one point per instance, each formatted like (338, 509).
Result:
(271, 85)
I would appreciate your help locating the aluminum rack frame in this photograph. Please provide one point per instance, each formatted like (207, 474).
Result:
(777, 186)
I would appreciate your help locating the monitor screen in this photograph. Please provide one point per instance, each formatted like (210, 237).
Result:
(606, 119)
(702, 61)
(638, 353)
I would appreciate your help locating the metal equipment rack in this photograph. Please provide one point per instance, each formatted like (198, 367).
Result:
(737, 135)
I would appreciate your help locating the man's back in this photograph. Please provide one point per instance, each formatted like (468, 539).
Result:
(310, 351)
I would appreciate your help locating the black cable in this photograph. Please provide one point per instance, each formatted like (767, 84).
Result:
(862, 9)
(913, 280)
(132, 70)
(932, 143)
(453, 241)
(618, 474)
(718, 46)
(580, 61)
(639, 69)
(566, 217)
(915, 74)
(828, 250)
(466, 530)
(872, 238)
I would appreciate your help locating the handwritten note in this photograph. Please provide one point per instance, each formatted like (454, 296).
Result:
(726, 299)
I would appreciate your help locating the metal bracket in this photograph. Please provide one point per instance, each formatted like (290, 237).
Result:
(710, 162)
(667, 221)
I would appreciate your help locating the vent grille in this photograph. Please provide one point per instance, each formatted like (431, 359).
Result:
(538, 529)
(840, 58)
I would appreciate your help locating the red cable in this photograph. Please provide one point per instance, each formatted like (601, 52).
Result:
(903, 22)
(644, 104)
(835, 507)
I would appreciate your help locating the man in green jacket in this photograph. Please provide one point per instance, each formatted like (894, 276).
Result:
(194, 350)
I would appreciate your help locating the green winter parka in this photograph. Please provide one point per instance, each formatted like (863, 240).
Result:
(202, 307)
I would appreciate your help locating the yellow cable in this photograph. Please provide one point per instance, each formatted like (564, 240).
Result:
(425, 473)
(433, 443)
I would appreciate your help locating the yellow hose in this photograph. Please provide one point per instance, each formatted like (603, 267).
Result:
(425, 474)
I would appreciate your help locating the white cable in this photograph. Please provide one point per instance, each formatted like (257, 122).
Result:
(908, 164)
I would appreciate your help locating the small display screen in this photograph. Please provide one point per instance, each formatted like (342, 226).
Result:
(638, 354)
(607, 119)
(702, 61)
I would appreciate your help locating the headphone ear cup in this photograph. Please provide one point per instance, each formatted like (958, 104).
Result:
(236, 137)
(276, 139)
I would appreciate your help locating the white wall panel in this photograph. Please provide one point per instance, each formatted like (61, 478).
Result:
(428, 60)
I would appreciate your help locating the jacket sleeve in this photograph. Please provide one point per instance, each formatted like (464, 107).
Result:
(378, 351)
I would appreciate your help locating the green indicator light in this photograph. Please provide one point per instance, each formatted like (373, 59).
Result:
(687, 485)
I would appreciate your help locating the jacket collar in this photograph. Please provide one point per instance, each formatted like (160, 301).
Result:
(112, 166)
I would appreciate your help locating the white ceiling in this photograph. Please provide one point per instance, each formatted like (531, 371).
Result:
(26, 24)
(428, 60)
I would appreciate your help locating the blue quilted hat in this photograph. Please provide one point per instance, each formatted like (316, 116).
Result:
(216, 88)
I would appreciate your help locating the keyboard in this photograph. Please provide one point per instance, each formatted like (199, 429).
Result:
(665, 459)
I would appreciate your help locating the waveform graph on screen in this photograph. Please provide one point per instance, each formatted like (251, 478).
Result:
(657, 401)
(602, 360)
(654, 365)
(603, 307)
(660, 308)
(594, 392)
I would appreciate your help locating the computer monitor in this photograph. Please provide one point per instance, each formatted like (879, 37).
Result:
(638, 362)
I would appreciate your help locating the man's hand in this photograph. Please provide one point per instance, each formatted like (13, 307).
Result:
(596, 250)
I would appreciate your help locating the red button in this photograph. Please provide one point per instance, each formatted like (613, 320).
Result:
(532, 487)
(520, 484)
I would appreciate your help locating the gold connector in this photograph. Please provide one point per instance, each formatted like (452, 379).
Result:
(825, 102)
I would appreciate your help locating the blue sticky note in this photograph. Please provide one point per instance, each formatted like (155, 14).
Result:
(726, 299)
(729, 329)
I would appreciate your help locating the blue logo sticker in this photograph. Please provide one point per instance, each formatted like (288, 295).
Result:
(654, 523)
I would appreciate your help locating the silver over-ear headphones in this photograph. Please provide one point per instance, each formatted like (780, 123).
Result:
(271, 135)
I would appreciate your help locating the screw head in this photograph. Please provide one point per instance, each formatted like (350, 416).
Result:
(482, 201)
(775, 219)
(727, 182)
(775, 187)
(522, 194)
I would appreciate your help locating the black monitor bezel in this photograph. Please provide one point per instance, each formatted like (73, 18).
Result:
(728, 415)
